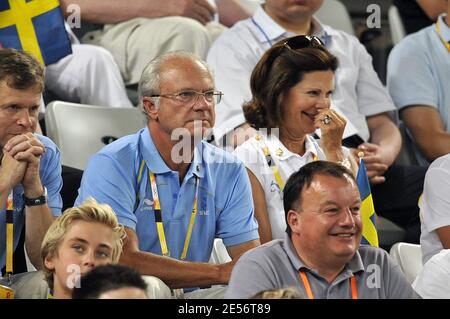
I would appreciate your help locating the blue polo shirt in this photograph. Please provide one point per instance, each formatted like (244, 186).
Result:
(419, 73)
(225, 205)
(50, 174)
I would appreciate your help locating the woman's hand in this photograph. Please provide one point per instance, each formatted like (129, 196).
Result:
(332, 126)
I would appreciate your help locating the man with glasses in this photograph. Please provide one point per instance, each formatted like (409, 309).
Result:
(174, 192)
(359, 96)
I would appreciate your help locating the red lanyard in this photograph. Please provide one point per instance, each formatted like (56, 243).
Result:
(310, 294)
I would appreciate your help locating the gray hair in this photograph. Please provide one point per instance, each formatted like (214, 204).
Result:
(149, 83)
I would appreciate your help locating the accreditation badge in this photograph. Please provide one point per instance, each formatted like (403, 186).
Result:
(6, 292)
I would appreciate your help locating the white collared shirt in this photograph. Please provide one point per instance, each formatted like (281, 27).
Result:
(287, 162)
(232, 57)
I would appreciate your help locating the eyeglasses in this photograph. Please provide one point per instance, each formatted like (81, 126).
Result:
(302, 41)
(191, 96)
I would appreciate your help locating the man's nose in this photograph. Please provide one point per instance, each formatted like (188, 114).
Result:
(202, 103)
(348, 219)
(24, 118)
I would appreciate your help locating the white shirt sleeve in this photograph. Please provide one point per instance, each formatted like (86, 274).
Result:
(254, 160)
(410, 78)
(232, 68)
(435, 203)
(433, 282)
(372, 97)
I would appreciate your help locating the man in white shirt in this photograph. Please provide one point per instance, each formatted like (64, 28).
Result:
(359, 96)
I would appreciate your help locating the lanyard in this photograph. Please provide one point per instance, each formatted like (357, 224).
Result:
(263, 32)
(7, 292)
(9, 234)
(438, 29)
(271, 162)
(305, 281)
(158, 214)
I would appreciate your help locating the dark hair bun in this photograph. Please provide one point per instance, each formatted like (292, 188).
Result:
(254, 115)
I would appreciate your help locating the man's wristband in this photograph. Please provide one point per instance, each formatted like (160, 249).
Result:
(41, 200)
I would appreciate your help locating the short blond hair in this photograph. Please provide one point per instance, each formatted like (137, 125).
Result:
(89, 211)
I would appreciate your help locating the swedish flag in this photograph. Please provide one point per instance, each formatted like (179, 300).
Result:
(35, 26)
(368, 215)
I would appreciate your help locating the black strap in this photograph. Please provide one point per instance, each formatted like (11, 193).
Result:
(352, 141)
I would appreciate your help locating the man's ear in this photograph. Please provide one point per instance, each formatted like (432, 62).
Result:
(150, 108)
(293, 220)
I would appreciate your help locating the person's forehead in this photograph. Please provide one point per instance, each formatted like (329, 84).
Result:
(183, 69)
(124, 293)
(7, 91)
(324, 186)
(92, 232)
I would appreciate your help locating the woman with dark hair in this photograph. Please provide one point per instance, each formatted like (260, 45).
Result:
(291, 89)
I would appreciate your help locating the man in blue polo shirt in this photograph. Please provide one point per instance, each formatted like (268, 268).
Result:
(172, 190)
(30, 170)
(418, 77)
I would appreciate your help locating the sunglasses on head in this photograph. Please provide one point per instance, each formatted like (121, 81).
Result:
(302, 41)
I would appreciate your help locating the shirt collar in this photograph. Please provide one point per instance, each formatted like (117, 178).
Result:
(292, 253)
(197, 168)
(353, 266)
(445, 29)
(150, 153)
(278, 149)
(270, 30)
(155, 162)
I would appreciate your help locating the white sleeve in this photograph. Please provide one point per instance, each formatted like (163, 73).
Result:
(232, 63)
(433, 281)
(410, 78)
(435, 203)
(254, 160)
(373, 97)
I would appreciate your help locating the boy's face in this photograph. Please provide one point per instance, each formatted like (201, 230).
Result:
(84, 246)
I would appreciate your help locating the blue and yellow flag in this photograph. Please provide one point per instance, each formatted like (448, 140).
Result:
(35, 26)
(368, 215)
